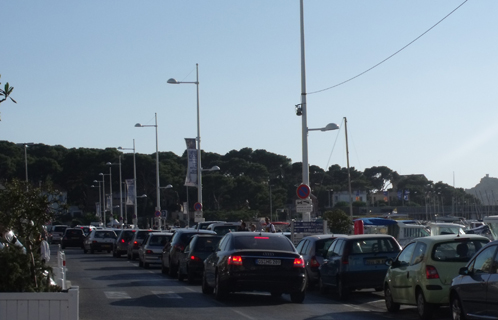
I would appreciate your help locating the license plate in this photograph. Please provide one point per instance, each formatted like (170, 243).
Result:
(268, 262)
(375, 261)
(106, 245)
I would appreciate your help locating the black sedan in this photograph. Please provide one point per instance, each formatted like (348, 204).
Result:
(250, 261)
(192, 260)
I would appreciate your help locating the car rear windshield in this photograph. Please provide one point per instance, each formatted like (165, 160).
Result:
(263, 243)
(373, 245)
(159, 240)
(77, 232)
(105, 234)
(205, 244)
(127, 235)
(59, 229)
(142, 234)
(457, 250)
(222, 230)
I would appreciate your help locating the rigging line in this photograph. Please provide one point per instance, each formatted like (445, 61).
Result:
(331, 151)
(392, 55)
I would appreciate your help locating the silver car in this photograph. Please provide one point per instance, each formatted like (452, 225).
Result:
(99, 240)
(152, 247)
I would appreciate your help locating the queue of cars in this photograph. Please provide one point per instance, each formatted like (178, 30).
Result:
(459, 270)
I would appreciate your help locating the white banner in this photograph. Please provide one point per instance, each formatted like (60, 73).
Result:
(191, 179)
(97, 209)
(130, 192)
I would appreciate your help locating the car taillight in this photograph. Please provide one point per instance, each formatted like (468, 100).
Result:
(65, 238)
(122, 241)
(235, 260)
(298, 263)
(179, 247)
(135, 244)
(194, 258)
(148, 252)
(314, 262)
(94, 241)
(431, 272)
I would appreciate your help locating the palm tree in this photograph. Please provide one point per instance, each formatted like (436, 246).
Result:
(5, 93)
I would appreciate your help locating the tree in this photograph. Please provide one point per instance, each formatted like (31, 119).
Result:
(338, 221)
(24, 211)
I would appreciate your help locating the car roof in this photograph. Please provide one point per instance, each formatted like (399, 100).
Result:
(363, 236)
(446, 237)
(323, 236)
(195, 231)
(251, 233)
(161, 234)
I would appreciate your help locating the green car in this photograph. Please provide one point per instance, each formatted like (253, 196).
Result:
(421, 274)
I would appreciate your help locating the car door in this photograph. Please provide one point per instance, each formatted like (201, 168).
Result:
(398, 274)
(331, 263)
(492, 289)
(472, 287)
(415, 271)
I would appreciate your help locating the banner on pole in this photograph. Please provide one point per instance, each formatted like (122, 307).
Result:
(192, 174)
(130, 192)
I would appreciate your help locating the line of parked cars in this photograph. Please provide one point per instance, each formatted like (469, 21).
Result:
(456, 270)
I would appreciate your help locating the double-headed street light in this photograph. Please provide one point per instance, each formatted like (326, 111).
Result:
(158, 201)
(134, 182)
(120, 190)
(199, 166)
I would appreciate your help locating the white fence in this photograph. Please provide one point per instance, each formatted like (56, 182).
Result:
(40, 305)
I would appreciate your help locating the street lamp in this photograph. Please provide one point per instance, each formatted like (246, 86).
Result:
(134, 181)
(199, 166)
(25, 145)
(120, 190)
(169, 186)
(158, 200)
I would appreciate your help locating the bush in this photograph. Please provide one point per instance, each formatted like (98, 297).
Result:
(338, 221)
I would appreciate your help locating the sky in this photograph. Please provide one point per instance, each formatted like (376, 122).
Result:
(85, 72)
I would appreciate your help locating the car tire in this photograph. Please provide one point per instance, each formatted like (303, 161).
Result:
(180, 275)
(172, 270)
(276, 294)
(146, 265)
(424, 309)
(457, 312)
(206, 289)
(322, 288)
(140, 263)
(85, 250)
(108, 251)
(128, 256)
(164, 270)
(298, 297)
(63, 247)
(92, 251)
(220, 291)
(342, 291)
(391, 306)
(190, 277)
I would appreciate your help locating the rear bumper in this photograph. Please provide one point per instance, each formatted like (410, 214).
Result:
(101, 246)
(279, 283)
(152, 258)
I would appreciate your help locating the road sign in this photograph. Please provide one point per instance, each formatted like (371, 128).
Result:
(308, 227)
(157, 213)
(303, 191)
(198, 206)
(304, 205)
(198, 217)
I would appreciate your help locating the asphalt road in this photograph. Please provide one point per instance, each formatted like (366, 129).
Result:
(117, 289)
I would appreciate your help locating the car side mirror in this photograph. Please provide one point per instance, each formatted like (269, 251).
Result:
(391, 263)
(464, 271)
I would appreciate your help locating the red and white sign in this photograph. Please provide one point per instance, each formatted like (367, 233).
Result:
(303, 191)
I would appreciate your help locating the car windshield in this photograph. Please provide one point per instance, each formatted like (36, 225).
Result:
(159, 240)
(263, 243)
(458, 250)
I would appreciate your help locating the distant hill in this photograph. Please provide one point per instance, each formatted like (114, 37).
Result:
(486, 190)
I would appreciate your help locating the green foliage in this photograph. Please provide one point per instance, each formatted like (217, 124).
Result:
(338, 221)
(24, 210)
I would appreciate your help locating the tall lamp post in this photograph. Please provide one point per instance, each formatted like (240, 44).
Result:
(120, 190)
(302, 110)
(169, 186)
(134, 182)
(158, 200)
(199, 166)
(105, 200)
(25, 145)
(100, 197)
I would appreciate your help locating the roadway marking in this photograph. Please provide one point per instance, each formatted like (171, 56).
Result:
(166, 295)
(243, 314)
(190, 289)
(116, 295)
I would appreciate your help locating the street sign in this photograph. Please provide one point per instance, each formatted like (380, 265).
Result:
(304, 205)
(303, 191)
(198, 206)
(198, 217)
(308, 227)
(157, 213)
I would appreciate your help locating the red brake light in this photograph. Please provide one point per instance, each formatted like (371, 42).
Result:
(235, 260)
(122, 241)
(431, 272)
(298, 263)
(194, 258)
(148, 252)
(261, 237)
(314, 262)
(94, 241)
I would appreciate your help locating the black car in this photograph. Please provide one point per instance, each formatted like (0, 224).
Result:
(357, 262)
(473, 293)
(121, 245)
(170, 259)
(250, 261)
(192, 260)
(73, 237)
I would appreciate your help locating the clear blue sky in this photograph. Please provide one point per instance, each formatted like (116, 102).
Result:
(85, 72)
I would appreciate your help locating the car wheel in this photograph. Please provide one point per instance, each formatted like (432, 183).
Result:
(456, 308)
(172, 270)
(108, 251)
(164, 270)
(92, 251)
(342, 291)
(297, 297)
(63, 247)
(424, 309)
(276, 294)
(220, 291)
(140, 263)
(133, 257)
(85, 250)
(391, 306)
(206, 289)
(190, 277)
(128, 256)
(146, 265)
(322, 287)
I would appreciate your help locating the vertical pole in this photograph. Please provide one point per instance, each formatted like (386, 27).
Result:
(26, 161)
(199, 165)
(110, 193)
(103, 196)
(135, 204)
(121, 194)
(349, 174)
